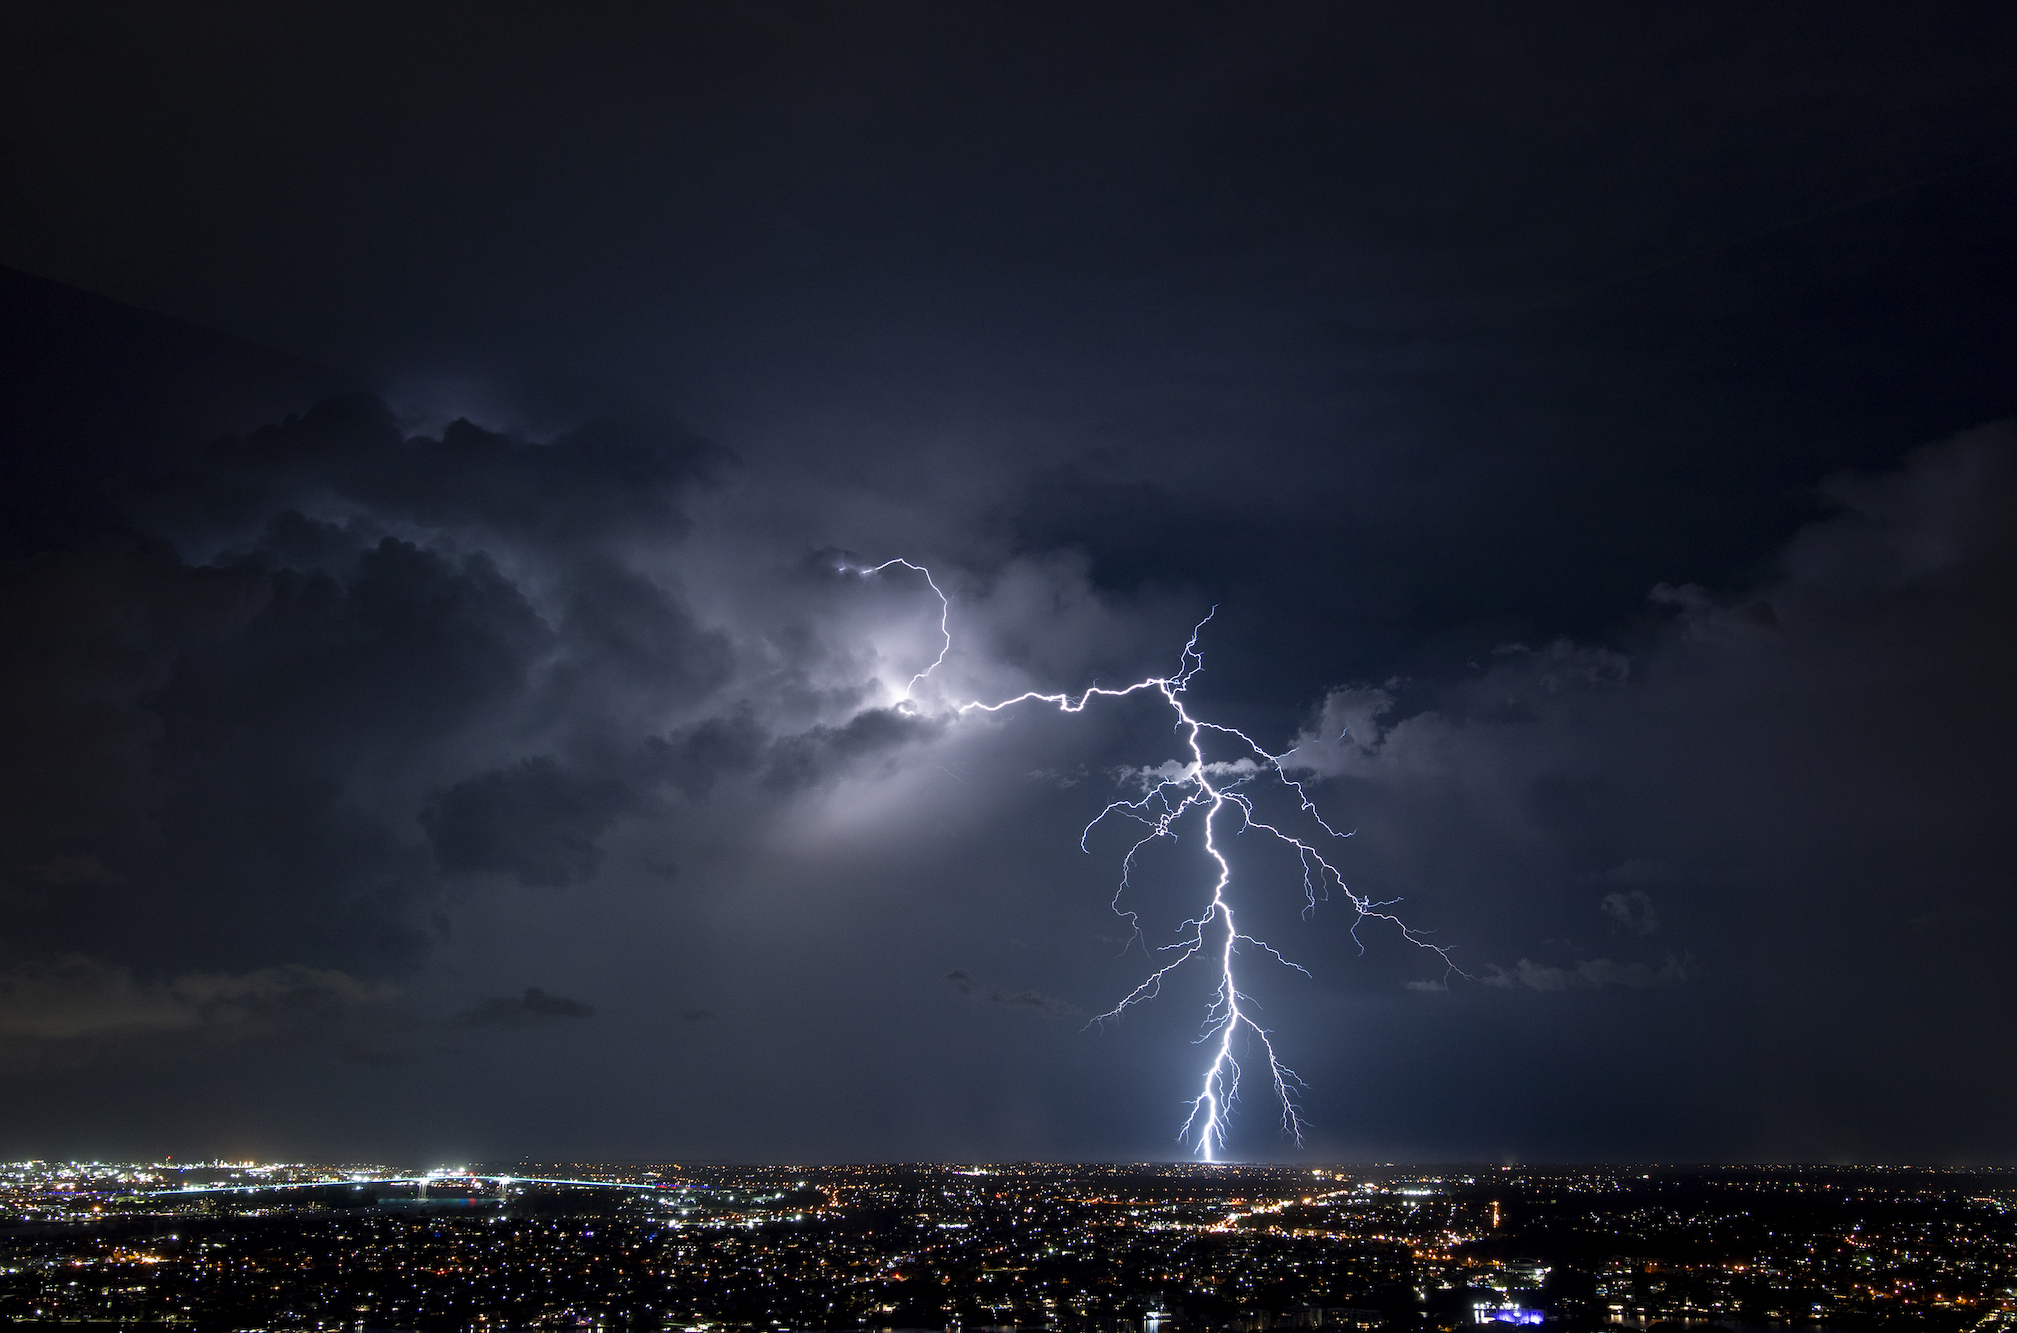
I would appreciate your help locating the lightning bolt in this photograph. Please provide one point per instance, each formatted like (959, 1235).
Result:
(1204, 789)
(944, 611)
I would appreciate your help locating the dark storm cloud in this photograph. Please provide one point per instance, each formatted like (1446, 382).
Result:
(824, 751)
(1576, 821)
(227, 746)
(531, 1009)
(533, 821)
(694, 758)
(333, 680)
(600, 483)
(626, 633)
(1791, 771)
(1478, 364)
(405, 645)
(74, 1008)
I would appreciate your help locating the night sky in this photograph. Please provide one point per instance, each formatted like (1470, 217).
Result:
(436, 723)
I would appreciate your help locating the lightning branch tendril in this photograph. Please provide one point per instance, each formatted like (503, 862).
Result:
(1209, 787)
(944, 612)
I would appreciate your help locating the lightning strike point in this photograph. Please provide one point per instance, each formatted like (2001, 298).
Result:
(1213, 932)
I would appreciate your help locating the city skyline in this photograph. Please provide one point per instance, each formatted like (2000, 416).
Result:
(1126, 1248)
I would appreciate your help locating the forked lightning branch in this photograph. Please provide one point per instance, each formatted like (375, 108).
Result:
(1196, 795)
